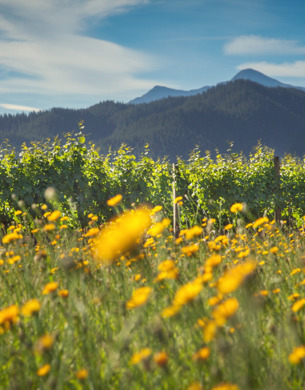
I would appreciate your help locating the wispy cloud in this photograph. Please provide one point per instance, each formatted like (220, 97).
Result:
(255, 45)
(45, 50)
(292, 69)
(17, 107)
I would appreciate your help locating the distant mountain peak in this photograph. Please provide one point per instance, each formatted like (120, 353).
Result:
(258, 77)
(159, 92)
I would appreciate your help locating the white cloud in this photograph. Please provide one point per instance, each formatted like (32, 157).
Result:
(254, 45)
(44, 49)
(17, 107)
(292, 69)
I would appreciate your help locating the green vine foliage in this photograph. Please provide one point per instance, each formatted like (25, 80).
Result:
(84, 180)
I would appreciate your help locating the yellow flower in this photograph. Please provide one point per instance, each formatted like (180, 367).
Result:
(236, 207)
(298, 305)
(121, 235)
(158, 227)
(92, 232)
(178, 199)
(44, 343)
(156, 210)
(49, 227)
(9, 315)
(139, 297)
(82, 374)
(228, 227)
(297, 354)
(44, 370)
(233, 278)
(189, 250)
(213, 260)
(54, 216)
(192, 232)
(30, 307)
(161, 358)
(170, 311)
(209, 331)
(11, 237)
(141, 355)
(18, 212)
(187, 293)
(274, 250)
(63, 293)
(114, 201)
(49, 287)
(260, 221)
(202, 354)
(225, 310)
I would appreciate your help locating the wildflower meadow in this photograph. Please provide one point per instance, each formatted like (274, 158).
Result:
(100, 291)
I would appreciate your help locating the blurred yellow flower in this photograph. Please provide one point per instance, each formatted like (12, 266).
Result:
(236, 207)
(9, 315)
(137, 357)
(30, 307)
(297, 354)
(114, 201)
(49, 227)
(44, 370)
(298, 305)
(161, 358)
(44, 343)
(49, 287)
(121, 235)
(233, 278)
(82, 374)
(54, 216)
(202, 354)
(260, 221)
(139, 297)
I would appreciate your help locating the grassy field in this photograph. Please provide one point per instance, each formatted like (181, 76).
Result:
(127, 305)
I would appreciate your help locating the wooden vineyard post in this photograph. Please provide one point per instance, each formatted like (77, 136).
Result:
(277, 169)
(175, 207)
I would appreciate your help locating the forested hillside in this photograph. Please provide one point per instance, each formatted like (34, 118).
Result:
(241, 111)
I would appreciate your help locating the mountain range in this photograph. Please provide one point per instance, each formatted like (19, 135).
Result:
(159, 92)
(243, 111)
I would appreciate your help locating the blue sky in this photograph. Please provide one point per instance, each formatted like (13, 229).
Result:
(75, 53)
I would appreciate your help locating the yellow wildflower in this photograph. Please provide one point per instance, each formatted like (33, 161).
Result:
(49, 227)
(44, 370)
(202, 354)
(82, 374)
(161, 358)
(139, 297)
(30, 307)
(121, 235)
(233, 278)
(298, 305)
(297, 354)
(54, 216)
(190, 250)
(141, 355)
(9, 315)
(44, 343)
(260, 221)
(114, 201)
(225, 310)
(236, 207)
(49, 287)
